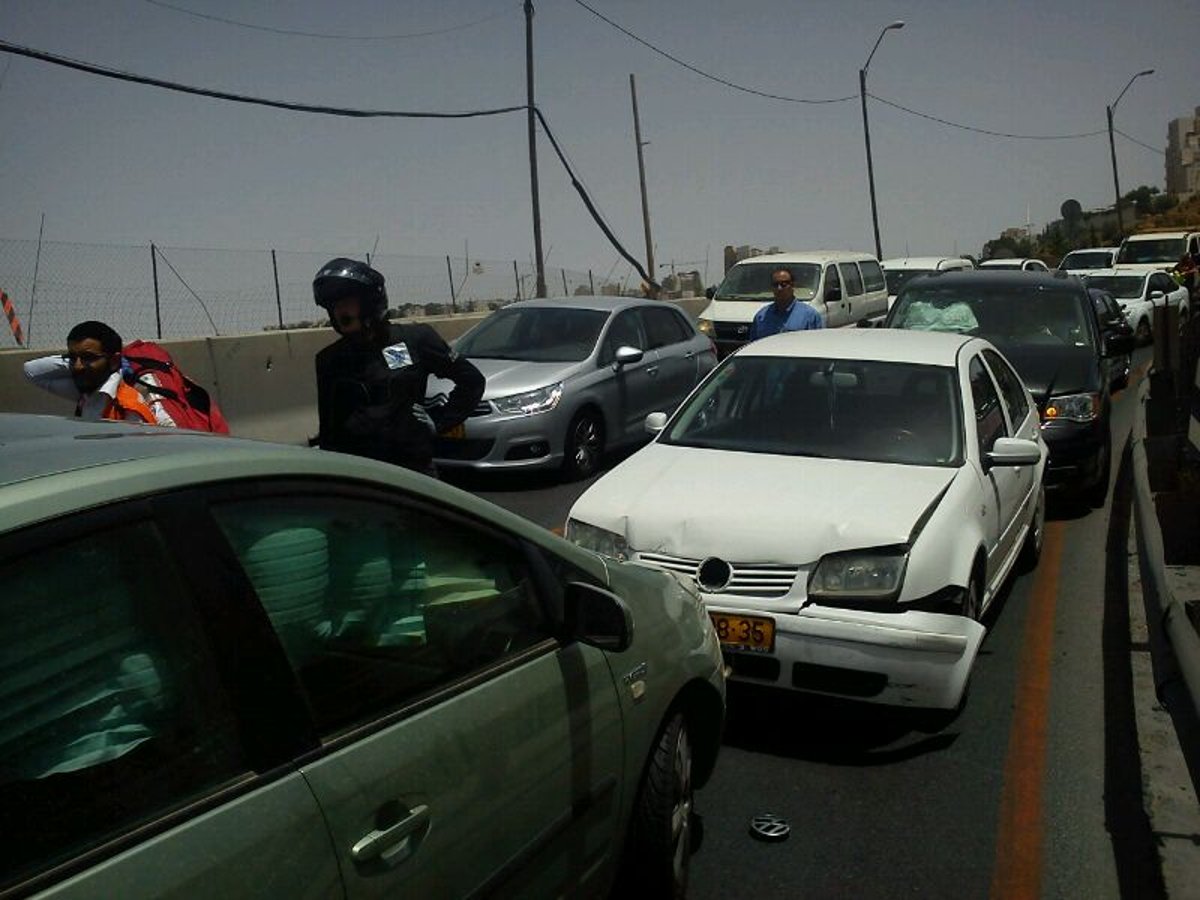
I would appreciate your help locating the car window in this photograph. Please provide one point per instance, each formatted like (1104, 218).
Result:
(872, 274)
(662, 327)
(379, 604)
(831, 279)
(1161, 282)
(989, 418)
(111, 711)
(752, 281)
(535, 334)
(851, 279)
(1010, 386)
(625, 331)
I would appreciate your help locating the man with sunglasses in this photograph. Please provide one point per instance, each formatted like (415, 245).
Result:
(785, 312)
(90, 374)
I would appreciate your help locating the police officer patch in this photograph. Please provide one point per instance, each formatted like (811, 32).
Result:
(397, 356)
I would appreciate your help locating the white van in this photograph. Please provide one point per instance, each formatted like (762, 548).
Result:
(902, 270)
(1157, 249)
(843, 287)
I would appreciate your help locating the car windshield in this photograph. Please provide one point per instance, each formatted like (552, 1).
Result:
(1086, 259)
(898, 278)
(752, 281)
(1123, 287)
(1009, 315)
(836, 408)
(1162, 250)
(535, 334)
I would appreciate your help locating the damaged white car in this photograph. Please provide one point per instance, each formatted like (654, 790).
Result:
(849, 503)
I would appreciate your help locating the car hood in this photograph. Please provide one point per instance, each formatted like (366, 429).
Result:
(505, 377)
(1058, 370)
(757, 507)
(740, 311)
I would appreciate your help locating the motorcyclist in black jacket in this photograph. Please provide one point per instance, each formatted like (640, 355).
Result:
(371, 381)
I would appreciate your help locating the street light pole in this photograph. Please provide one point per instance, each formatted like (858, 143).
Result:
(539, 260)
(862, 96)
(1112, 148)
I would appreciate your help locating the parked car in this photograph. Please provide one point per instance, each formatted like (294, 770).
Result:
(843, 287)
(1046, 326)
(1138, 292)
(1158, 250)
(234, 669)
(898, 272)
(569, 379)
(1080, 262)
(1022, 265)
(864, 495)
(1113, 321)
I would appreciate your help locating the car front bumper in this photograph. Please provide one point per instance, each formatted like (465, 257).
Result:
(499, 441)
(914, 659)
(1077, 449)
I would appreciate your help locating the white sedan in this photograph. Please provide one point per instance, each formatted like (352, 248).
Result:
(849, 503)
(1138, 293)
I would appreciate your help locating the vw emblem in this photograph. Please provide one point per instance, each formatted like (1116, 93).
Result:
(714, 574)
(770, 828)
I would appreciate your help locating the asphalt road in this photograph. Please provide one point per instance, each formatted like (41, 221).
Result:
(1034, 791)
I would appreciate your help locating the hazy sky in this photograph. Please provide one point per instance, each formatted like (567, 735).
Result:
(113, 162)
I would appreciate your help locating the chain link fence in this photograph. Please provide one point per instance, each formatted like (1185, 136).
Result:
(184, 292)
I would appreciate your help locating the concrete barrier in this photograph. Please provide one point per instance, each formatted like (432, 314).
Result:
(265, 383)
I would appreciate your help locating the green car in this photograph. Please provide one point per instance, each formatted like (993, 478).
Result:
(233, 669)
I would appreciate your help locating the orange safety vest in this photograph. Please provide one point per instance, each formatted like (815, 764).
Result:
(128, 400)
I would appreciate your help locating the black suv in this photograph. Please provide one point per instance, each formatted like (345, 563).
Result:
(1046, 324)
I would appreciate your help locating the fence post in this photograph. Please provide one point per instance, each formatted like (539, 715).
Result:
(278, 299)
(517, 279)
(591, 283)
(450, 274)
(566, 292)
(154, 272)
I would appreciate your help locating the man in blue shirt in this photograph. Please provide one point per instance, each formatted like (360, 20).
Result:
(786, 313)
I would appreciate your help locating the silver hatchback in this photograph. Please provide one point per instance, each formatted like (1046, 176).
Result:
(569, 378)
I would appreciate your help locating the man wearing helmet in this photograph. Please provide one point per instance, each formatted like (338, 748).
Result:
(371, 381)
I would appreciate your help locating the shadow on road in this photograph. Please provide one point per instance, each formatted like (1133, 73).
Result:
(817, 729)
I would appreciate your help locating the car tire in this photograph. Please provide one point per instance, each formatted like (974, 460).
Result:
(659, 848)
(584, 446)
(1142, 336)
(1031, 550)
(1097, 493)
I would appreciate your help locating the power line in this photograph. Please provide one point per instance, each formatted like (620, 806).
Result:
(6, 47)
(972, 128)
(708, 75)
(1139, 143)
(324, 36)
(207, 314)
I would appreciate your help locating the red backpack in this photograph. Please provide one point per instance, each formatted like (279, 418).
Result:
(186, 402)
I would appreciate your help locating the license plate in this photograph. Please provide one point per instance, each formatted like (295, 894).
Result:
(459, 431)
(755, 634)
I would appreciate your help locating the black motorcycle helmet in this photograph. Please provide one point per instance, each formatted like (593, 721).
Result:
(343, 277)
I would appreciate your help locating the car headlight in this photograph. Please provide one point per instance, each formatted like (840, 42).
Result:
(1072, 408)
(707, 327)
(865, 574)
(539, 401)
(598, 540)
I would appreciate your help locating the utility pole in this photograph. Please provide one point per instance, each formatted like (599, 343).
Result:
(862, 96)
(637, 136)
(1112, 148)
(539, 263)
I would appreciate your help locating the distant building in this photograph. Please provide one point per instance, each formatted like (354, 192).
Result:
(1183, 156)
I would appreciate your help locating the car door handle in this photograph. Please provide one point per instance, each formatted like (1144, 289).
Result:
(392, 845)
(689, 354)
(652, 370)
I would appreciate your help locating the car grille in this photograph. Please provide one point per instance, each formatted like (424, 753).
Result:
(482, 408)
(461, 449)
(732, 331)
(749, 579)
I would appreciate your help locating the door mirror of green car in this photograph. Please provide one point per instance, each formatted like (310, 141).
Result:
(595, 617)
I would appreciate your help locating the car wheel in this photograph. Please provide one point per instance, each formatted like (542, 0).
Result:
(584, 446)
(1142, 335)
(973, 600)
(659, 848)
(1031, 552)
(1098, 492)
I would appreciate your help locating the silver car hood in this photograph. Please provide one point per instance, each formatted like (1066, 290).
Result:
(505, 377)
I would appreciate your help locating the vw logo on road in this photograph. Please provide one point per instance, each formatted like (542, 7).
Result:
(714, 574)
(770, 828)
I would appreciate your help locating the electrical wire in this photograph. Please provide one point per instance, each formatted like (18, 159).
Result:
(1002, 134)
(189, 290)
(6, 47)
(708, 75)
(1139, 143)
(324, 36)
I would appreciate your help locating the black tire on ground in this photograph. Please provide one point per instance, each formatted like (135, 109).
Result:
(1031, 550)
(1096, 494)
(1142, 335)
(658, 851)
(584, 446)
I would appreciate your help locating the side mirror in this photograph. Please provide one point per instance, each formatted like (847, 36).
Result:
(1014, 452)
(656, 422)
(1116, 344)
(1157, 295)
(595, 617)
(626, 355)
(710, 292)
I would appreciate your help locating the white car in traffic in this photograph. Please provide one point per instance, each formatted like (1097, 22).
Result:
(849, 502)
(1138, 292)
(1023, 265)
(903, 269)
(1088, 260)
